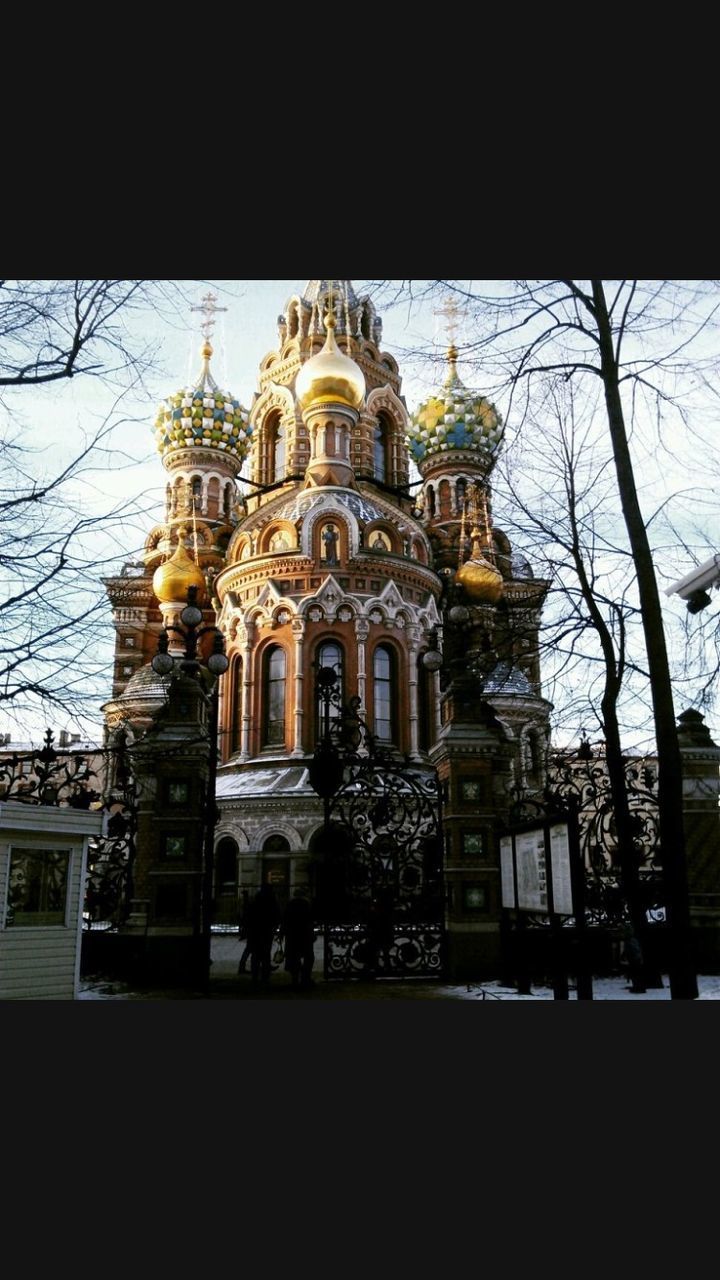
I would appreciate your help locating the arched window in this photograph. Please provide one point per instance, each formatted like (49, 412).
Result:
(276, 844)
(226, 868)
(460, 491)
(445, 498)
(197, 489)
(384, 690)
(431, 501)
(277, 451)
(426, 721)
(379, 451)
(236, 688)
(330, 655)
(227, 499)
(213, 497)
(274, 688)
(534, 758)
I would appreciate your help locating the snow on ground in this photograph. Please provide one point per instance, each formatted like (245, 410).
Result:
(603, 989)
(225, 984)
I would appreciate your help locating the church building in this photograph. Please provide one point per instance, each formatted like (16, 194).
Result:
(331, 525)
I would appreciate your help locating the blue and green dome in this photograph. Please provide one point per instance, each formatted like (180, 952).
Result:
(203, 415)
(456, 418)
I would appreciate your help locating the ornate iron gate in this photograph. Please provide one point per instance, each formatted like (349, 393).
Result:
(579, 782)
(379, 884)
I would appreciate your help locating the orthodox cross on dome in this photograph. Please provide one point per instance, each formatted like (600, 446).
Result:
(452, 312)
(209, 308)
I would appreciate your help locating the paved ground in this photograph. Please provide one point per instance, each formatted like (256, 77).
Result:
(226, 984)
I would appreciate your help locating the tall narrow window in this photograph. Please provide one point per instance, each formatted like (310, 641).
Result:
(275, 672)
(236, 687)
(330, 655)
(384, 694)
(276, 451)
(460, 489)
(197, 489)
(379, 439)
(426, 726)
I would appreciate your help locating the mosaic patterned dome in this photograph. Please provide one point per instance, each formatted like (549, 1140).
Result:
(203, 415)
(456, 418)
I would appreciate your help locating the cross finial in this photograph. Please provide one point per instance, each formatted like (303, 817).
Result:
(451, 311)
(209, 309)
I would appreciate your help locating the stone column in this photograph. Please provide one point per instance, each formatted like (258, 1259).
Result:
(246, 637)
(362, 631)
(298, 631)
(414, 636)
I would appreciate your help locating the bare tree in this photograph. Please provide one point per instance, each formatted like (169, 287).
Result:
(564, 511)
(641, 343)
(51, 330)
(60, 528)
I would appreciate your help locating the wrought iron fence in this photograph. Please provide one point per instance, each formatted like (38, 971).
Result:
(580, 782)
(99, 780)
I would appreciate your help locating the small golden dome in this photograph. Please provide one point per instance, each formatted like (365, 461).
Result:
(172, 579)
(330, 376)
(481, 581)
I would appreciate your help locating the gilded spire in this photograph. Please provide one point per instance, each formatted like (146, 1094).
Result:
(451, 313)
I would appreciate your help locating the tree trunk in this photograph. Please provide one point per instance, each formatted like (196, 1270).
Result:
(683, 981)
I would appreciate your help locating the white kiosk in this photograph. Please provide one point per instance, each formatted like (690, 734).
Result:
(43, 857)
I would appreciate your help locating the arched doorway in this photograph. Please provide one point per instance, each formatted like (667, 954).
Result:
(226, 882)
(329, 869)
(276, 867)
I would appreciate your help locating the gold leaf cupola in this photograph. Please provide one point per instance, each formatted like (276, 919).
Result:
(172, 579)
(481, 581)
(330, 377)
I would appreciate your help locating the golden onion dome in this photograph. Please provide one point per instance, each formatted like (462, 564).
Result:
(330, 377)
(481, 581)
(172, 579)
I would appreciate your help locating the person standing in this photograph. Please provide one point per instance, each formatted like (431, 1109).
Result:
(380, 934)
(263, 918)
(244, 915)
(299, 933)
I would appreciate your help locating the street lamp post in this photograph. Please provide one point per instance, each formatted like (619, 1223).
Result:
(217, 664)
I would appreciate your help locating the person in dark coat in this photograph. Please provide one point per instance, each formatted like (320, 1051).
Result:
(633, 957)
(299, 933)
(263, 918)
(242, 931)
(380, 933)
